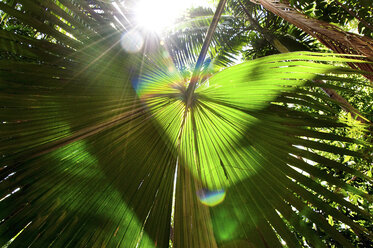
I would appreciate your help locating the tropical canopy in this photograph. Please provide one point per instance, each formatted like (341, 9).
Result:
(112, 136)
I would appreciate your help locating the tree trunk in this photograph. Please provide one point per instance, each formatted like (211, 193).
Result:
(331, 36)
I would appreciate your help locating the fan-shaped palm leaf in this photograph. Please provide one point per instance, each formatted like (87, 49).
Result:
(98, 146)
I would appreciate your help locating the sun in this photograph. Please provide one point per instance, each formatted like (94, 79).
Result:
(151, 16)
(156, 16)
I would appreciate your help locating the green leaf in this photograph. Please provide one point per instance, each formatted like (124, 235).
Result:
(98, 147)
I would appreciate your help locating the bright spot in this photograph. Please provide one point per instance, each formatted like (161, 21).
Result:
(344, 226)
(211, 198)
(157, 15)
(132, 41)
(13, 192)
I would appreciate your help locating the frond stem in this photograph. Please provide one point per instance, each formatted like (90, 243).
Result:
(202, 55)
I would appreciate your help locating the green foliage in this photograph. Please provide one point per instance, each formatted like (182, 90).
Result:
(341, 14)
(99, 149)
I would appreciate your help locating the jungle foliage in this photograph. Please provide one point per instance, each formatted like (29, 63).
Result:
(107, 147)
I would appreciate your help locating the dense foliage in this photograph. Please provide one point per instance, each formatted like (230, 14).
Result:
(105, 143)
(342, 12)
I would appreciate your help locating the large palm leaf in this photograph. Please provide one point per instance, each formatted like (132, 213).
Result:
(98, 147)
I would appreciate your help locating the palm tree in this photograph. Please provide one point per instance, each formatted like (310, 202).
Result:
(104, 147)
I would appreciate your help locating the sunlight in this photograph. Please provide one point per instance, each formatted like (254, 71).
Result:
(155, 16)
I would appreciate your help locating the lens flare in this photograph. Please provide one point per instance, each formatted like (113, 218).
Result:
(211, 198)
(132, 41)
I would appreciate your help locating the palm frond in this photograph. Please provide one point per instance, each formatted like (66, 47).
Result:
(234, 139)
(93, 152)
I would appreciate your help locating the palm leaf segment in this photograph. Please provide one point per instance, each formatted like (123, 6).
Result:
(89, 161)
(185, 40)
